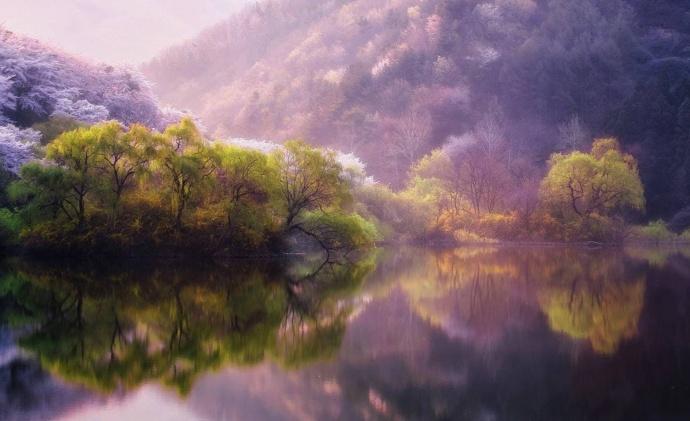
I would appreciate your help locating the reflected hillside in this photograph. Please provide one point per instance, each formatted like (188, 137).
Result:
(111, 328)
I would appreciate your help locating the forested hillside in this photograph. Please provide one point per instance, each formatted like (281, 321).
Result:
(43, 91)
(392, 80)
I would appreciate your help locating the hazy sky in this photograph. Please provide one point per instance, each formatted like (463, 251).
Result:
(113, 31)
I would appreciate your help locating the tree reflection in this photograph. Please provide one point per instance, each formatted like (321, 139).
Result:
(469, 293)
(596, 299)
(113, 328)
(477, 293)
(481, 324)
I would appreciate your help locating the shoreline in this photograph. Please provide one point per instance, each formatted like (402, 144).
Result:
(263, 256)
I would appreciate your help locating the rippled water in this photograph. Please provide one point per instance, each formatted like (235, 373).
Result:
(473, 333)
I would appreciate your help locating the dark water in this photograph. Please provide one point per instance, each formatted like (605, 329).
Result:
(472, 333)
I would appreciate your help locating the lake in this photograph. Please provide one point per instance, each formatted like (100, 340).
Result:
(474, 333)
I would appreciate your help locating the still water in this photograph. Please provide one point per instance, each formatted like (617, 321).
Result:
(484, 333)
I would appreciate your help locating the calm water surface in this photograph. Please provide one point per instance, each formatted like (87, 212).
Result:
(471, 333)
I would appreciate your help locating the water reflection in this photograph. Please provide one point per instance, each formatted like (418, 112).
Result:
(478, 293)
(111, 328)
(471, 333)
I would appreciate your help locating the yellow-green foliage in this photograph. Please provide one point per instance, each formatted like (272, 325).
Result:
(171, 324)
(585, 192)
(583, 196)
(340, 231)
(602, 182)
(655, 232)
(309, 179)
(106, 187)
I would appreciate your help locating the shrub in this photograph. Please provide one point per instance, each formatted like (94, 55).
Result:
(654, 232)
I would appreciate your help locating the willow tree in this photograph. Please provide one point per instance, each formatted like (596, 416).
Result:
(310, 179)
(76, 152)
(121, 156)
(604, 183)
(185, 160)
(242, 177)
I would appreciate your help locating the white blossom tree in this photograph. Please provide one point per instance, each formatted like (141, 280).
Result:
(81, 110)
(37, 82)
(17, 146)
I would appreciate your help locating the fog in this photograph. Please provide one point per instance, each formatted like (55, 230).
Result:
(126, 31)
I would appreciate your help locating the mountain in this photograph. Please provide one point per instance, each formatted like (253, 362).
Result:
(392, 79)
(38, 83)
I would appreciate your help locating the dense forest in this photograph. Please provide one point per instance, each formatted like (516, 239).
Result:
(393, 80)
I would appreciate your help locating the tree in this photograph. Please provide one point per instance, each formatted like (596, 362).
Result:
(438, 165)
(572, 135)
(80, 110)
(602, 183)
(17, 146)
(244, 186)
(474, 177)
(121, 156)
(309, 180)
(8, 101)
(54, 127)
(410, 136)
(76, 152)
(241, 174)
(186, 162)
(46, 192)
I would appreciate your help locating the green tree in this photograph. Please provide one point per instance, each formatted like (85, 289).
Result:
(121, 156)
(310, 179)
(589, 186)
(186, 162)
(242, 177)
(45, 193)
(76, 152)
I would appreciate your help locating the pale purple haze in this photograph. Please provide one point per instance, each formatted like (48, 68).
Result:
(116, 32)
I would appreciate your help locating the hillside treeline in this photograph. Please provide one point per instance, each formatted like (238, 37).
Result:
(393, 80)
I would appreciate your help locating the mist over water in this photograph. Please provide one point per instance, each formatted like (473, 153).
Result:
(467, 333)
